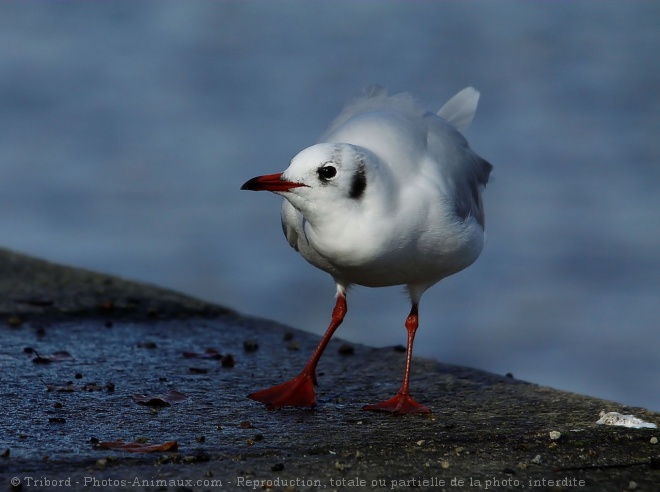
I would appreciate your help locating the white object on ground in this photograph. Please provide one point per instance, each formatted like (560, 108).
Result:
(616, 418)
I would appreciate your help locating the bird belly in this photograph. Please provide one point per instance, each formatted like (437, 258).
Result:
(357, 258)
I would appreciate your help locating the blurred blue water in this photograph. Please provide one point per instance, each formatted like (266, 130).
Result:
(127, 128)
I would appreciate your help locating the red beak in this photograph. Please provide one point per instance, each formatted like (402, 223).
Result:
(270, 182)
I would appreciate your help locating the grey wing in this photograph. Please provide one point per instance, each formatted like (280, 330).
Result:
(468, 189)
(464, 171)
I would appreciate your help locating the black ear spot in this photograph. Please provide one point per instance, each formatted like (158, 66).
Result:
(326, 172)
(358, 183)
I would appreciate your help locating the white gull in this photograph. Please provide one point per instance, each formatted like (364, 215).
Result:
(391, 195)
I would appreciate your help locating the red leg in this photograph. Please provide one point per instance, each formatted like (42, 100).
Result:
(402, 402)
(299, 392)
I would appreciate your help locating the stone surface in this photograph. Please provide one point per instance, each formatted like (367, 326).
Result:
(124, 339)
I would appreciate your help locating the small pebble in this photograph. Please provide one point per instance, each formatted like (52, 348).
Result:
(654, 440)
(536, 459)
(554, 435)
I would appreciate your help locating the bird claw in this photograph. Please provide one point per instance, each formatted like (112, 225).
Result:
(298, 392)
(399, 404)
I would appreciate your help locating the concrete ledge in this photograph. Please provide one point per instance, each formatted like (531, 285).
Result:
(127, 338)
(33, 288)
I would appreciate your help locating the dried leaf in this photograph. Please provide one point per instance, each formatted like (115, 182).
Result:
(97, 387)
(137, 447)
(54, 357)
(69, 387)
(35, 302)
(250, 345)
(346, 349)
(65, 388)
(14, 321)
(209, 353)
(106, 305)
(165, 400)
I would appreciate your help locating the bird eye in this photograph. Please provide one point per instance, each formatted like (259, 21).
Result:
(326, 172)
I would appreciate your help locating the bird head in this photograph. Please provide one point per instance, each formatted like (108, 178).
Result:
(325, 172)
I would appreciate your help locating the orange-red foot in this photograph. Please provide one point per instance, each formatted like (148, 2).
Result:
(400, 404)
(299, 392)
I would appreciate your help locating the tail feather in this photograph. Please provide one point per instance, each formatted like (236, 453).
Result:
(460, 109)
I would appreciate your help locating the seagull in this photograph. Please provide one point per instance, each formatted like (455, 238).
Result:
(390, 195)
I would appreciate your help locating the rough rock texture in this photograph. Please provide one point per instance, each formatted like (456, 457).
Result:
(487, 431)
